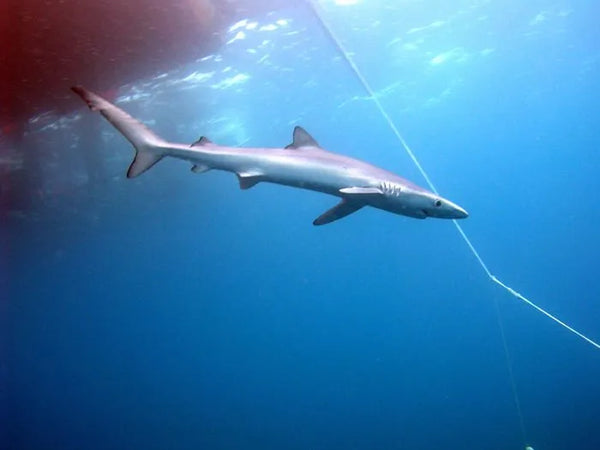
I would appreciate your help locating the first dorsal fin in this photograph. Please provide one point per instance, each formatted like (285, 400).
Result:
(301, 138)
(202, 141)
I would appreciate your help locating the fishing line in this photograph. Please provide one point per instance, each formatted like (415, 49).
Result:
(412, 156)
(511, 376)
(385, 115)
(337, 43)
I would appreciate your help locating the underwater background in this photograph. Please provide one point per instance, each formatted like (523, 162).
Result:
(175, 311)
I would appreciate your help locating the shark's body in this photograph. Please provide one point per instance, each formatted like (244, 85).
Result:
(302, 164)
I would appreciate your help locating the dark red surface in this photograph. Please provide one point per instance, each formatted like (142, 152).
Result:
(48, 46)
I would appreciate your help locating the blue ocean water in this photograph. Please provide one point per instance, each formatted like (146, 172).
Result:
(177, 311)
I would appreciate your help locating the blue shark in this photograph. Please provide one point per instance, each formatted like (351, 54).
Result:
(302, 164)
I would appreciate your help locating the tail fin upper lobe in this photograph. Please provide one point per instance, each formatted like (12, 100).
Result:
(147, 144)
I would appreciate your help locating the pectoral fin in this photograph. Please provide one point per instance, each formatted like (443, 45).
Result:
(358, 191)
(249, 179)
(342, 209)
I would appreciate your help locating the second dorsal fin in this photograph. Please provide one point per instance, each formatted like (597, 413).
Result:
(202, 141)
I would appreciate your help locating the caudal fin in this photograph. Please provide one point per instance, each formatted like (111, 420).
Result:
(147, 144)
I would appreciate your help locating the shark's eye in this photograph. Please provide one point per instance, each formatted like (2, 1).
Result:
(438, 203)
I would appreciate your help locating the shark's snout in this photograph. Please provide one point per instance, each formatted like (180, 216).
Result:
(462, 214)
(458, 212)
(448, 210)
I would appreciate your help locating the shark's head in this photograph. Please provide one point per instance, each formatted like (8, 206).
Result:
(433, 205)
(420, 203)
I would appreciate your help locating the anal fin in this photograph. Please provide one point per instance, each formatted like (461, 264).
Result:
(339, 211)
(200, 168)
